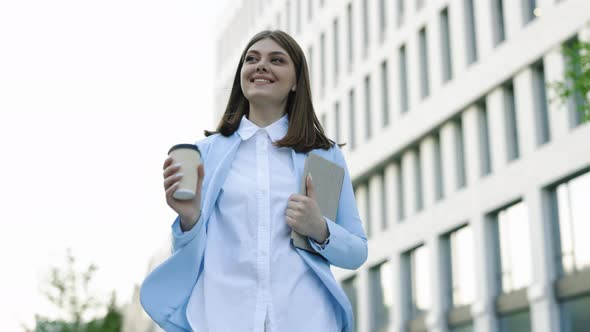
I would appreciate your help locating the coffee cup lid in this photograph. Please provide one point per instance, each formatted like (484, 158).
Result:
(184, 146)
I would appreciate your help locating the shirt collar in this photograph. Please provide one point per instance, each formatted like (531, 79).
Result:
(277, 130)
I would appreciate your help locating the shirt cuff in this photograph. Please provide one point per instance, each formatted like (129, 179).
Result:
(321, 246)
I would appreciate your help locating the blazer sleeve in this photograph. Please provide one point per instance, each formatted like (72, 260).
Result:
(347, 247)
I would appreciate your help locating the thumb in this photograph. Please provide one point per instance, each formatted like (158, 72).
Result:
(310, 187)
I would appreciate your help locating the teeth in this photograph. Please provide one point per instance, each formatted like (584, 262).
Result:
(260, 80)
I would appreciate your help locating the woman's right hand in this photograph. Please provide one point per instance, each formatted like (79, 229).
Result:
(188, 210)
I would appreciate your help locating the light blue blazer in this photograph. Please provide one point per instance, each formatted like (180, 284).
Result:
(166, 290)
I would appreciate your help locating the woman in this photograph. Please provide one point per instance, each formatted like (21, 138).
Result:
(233, 266)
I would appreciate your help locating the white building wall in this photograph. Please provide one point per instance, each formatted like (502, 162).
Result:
(393, 147)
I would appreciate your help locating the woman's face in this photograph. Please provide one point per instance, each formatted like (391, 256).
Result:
(268, 73)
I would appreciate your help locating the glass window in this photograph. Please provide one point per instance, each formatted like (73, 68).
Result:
(540, 101)
(351, 110)
(365, 27)
(424, 81)
(515, 248)
(516, 322)
(438, 169)
(336, 51)
(574, 314)
(462, 266)
(322, 63)
(384, 196)
(382, 20)
(400, 13)
(460, 154)
(381, 296)
(337, 134)
(310, 9)
(420, 277)
(288, 16)
(368, 217)
(401, 211)
(576, 101)
(367, 110)
(484, 140)
(510, 122)
(445, 37)
(298, 23)
(384, 93)
(471, 37)
(574, 223)
(349, 33)
(418, 181)
(499, 33)
(349, 287)
(529, 10)
(403, 79)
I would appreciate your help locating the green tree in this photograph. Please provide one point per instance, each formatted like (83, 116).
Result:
(69, 291)
(576, 84)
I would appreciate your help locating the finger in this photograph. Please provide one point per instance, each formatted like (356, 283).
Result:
(172, 180)
(168, 162)
(200, 177)
(293, 214)
(295, 205)
(297, 198)
(290, 221)
(171, 169)
(171, 190)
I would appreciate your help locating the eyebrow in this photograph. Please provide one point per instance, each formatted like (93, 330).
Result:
(271, 53)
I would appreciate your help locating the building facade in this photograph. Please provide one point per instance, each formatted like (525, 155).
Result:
(473, 185)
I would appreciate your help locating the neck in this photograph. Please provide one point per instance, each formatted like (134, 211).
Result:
(265, 115)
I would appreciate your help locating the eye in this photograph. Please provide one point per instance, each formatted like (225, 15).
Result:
(277, 60)
(250, 58)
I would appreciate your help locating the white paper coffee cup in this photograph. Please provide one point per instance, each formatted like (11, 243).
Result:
(189, 157)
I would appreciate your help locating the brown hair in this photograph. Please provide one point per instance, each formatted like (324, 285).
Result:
(305, 132)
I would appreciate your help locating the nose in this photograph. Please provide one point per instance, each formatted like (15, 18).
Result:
(261, 67)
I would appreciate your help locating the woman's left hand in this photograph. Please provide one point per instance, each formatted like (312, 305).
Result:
(303, 214)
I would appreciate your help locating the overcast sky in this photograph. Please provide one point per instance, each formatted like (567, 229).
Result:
(92, 95)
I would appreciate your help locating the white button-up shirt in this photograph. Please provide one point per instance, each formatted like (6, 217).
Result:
(253, 279)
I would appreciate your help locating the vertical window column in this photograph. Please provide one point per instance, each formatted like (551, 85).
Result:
(404, 94)
(364, 315)
(424, 69)
(544, 266)
(496, 126)
(448, 138)
(427, 155)
(540, 102)
(458, 41)
(513, 14)
(362, 198)
(367, 109)
(391, 183)
(555, 71)
(471, 138)
(470, 32)
(483, 28)
(486, 287)
(352, 119)
(376, 203)
(446, 55)
(410, 193)
(350, 30)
